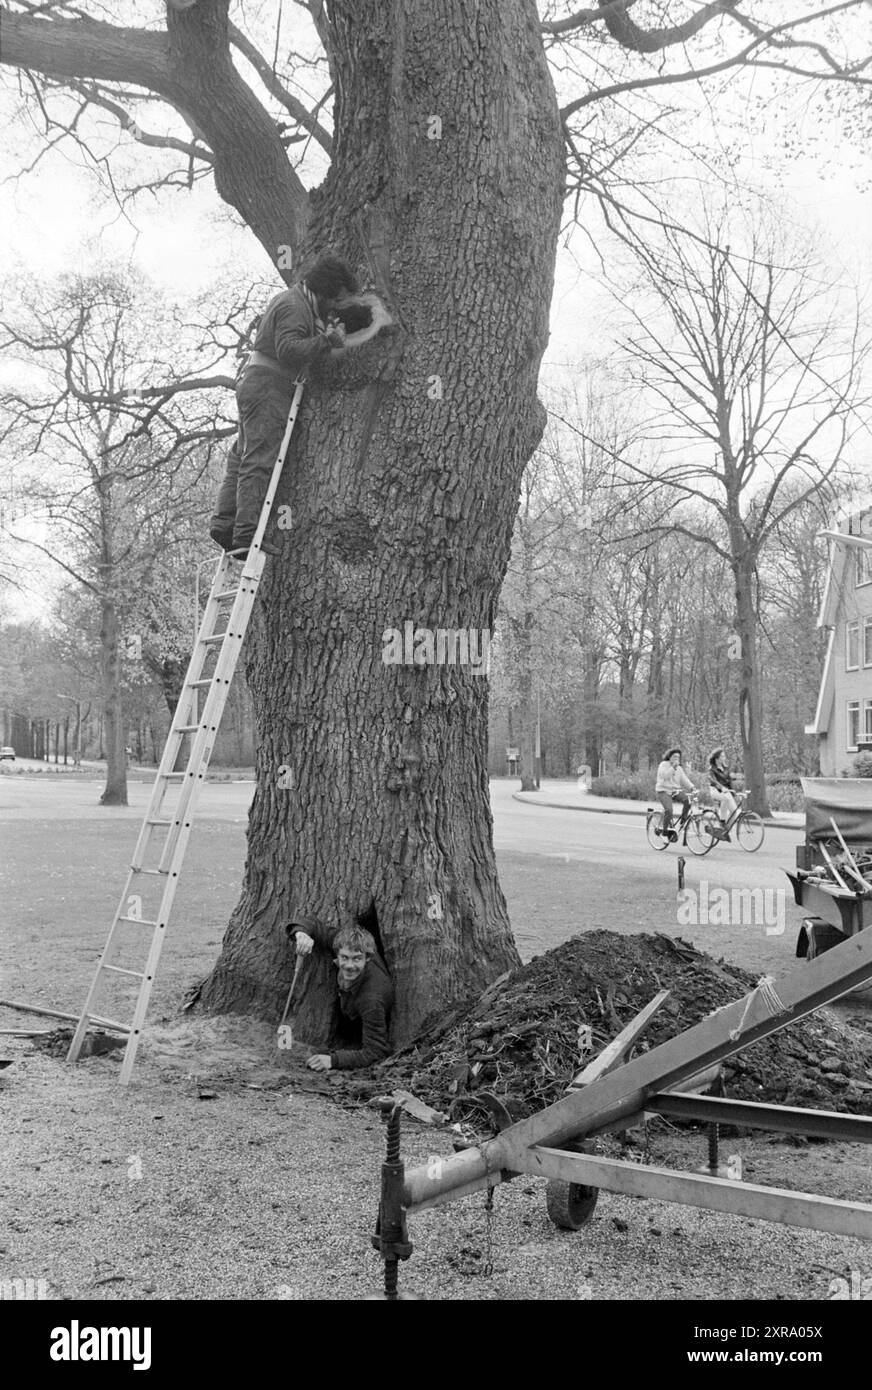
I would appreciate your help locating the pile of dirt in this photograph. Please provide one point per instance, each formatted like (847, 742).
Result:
(520, 1041)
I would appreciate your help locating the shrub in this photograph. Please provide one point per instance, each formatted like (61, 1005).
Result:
(863, 765)
(639, 786)
(634, 785)
(786, 796)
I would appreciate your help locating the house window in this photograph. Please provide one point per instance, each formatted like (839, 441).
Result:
(864, 564)
(852, 646)
(867, 721)
(867, 641)
(853, 725)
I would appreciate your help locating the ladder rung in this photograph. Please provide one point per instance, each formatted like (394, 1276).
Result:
(137, 870)
(227, 593)
(119, 970)
(215, 637)
(140, 922)
(200, 685)
(186, 729)
(157, 820)
(173, 776)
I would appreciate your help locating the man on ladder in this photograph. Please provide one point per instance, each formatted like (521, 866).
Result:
(296, 332)
(292, 335)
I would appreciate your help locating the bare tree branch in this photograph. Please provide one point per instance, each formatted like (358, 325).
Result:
(276, 89)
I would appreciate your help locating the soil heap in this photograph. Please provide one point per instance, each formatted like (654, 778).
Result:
(520, 1041)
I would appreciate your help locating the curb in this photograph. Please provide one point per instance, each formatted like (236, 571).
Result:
(533, 799)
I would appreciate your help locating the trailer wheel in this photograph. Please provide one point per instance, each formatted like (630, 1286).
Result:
(570, 1204)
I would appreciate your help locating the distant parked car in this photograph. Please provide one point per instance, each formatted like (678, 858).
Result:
(7, 755)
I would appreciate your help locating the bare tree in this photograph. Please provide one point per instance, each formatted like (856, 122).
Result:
(112, 487)
(754, 370)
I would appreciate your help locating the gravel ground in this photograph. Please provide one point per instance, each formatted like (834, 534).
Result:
(263, 1190)
(153, 1193)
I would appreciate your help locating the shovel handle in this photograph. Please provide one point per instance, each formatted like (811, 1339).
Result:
(297, 969)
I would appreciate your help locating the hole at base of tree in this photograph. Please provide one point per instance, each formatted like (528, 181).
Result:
(368, 919)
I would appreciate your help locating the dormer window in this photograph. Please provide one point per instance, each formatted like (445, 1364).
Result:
(864, 564)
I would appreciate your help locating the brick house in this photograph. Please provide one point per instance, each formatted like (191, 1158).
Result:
(843, 718)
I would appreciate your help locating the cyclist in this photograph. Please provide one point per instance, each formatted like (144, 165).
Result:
(673, 784)
(721, 788)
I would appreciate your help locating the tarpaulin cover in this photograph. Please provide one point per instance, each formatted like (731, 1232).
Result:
(847, 799)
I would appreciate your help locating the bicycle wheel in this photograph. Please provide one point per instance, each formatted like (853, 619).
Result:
(750, 831)
(653, 824)
(699, 839)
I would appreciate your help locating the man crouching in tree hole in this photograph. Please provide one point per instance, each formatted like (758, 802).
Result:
(366, 997)
(297, 331)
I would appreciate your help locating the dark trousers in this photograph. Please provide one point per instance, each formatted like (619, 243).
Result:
(263, 399)
(666, 802)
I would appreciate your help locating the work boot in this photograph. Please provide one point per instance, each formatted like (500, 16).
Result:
(222, 538)
(241, 548)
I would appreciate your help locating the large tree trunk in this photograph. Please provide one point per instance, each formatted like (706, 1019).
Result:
(403, 477)
(115, 791)
(750, 698)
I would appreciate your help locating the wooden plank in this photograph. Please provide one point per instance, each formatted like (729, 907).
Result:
(832, 868)
(36, 1009)
(623, 1091)
(701, 1190)
(851, 863)
(615, 1051)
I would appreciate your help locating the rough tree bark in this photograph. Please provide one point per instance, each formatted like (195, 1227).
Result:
(750, 692)
(115, 791)
(403, 479)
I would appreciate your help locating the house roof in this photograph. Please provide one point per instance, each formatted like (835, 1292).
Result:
(854, 533)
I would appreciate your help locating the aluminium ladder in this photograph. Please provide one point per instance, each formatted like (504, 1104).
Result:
(158, 881)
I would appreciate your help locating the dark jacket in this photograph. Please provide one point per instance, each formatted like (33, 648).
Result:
(720, 777)
(370, 1000)
(288, 331)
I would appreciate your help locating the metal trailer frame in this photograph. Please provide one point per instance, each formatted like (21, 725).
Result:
(608, 1096)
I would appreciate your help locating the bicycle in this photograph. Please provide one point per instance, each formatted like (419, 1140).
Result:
(750, 830)
(697, 837)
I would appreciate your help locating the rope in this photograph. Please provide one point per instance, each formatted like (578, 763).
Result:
(768, 994)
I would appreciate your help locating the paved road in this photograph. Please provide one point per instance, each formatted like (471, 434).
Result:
(65, 797)
(598, 870)
(562, 871)
(615, 839)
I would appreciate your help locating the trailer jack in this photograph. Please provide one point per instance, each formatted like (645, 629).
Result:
(391, 1237)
